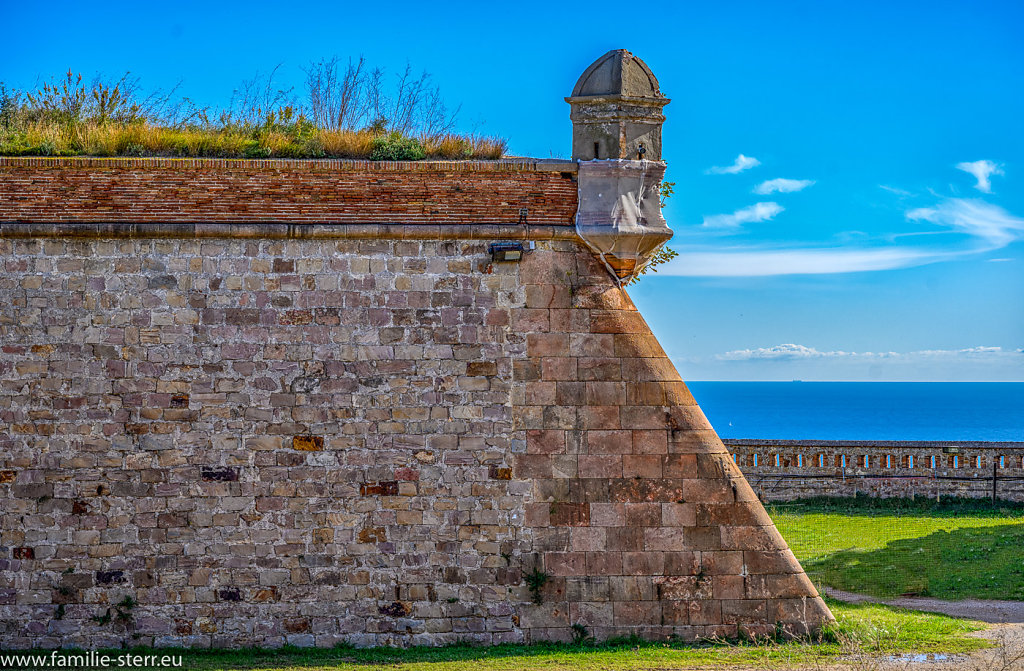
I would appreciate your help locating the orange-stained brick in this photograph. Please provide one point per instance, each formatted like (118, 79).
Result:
(308, 443)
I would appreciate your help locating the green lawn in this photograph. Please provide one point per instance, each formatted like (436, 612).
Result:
(860, 628)
(956, 550)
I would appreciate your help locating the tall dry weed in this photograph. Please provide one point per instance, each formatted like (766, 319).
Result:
(351, 112)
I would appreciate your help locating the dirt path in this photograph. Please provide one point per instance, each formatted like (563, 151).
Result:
(1001, 612)
(1007, 635)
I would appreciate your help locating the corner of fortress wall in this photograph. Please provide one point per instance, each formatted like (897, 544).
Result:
(314, 410)
(636, 509)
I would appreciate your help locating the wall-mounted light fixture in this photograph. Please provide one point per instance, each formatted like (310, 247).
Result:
(507, 251)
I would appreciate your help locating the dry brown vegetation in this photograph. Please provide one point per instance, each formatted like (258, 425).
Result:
(347, 112)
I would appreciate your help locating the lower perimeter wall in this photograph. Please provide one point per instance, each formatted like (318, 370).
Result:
(785, 470)
(256, 442)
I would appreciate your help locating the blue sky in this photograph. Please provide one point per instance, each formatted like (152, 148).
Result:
(865, 222)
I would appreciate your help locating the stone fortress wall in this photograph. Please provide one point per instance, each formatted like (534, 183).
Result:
(784, 470)
(320, 413)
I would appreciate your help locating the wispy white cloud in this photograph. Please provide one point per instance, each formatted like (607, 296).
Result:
(748, 215)
(981, 170)
(993, 226)
(893, 189)
(789, 361)
(970, 350)
(739, 165)
(782, 185)
(791, 352)
(740, 262)
(787, 351)
(987, 227)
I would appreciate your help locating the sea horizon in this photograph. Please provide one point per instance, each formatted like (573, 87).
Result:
(855, 410)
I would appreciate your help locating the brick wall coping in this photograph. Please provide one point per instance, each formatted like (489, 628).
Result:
(97, 193)
(503, 165)
(900, 444)
(289, 231)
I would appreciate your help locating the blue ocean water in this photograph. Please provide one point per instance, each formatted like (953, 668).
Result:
(864, 410)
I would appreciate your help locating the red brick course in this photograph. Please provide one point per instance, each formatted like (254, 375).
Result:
(42, 190)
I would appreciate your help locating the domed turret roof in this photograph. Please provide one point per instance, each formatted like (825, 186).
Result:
(618, 73)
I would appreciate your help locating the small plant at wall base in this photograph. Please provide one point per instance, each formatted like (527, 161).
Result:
(581, 636)
(535, 581)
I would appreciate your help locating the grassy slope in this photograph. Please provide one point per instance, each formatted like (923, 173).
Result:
(864, 628)
(951, 552)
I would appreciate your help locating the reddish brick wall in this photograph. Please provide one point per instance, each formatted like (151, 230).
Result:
(300, 192)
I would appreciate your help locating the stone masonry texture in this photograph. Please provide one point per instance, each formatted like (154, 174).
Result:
(235, 441)
(786, 470)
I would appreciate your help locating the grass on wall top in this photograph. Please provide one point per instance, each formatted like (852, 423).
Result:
(71, 118)
(292, 140)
